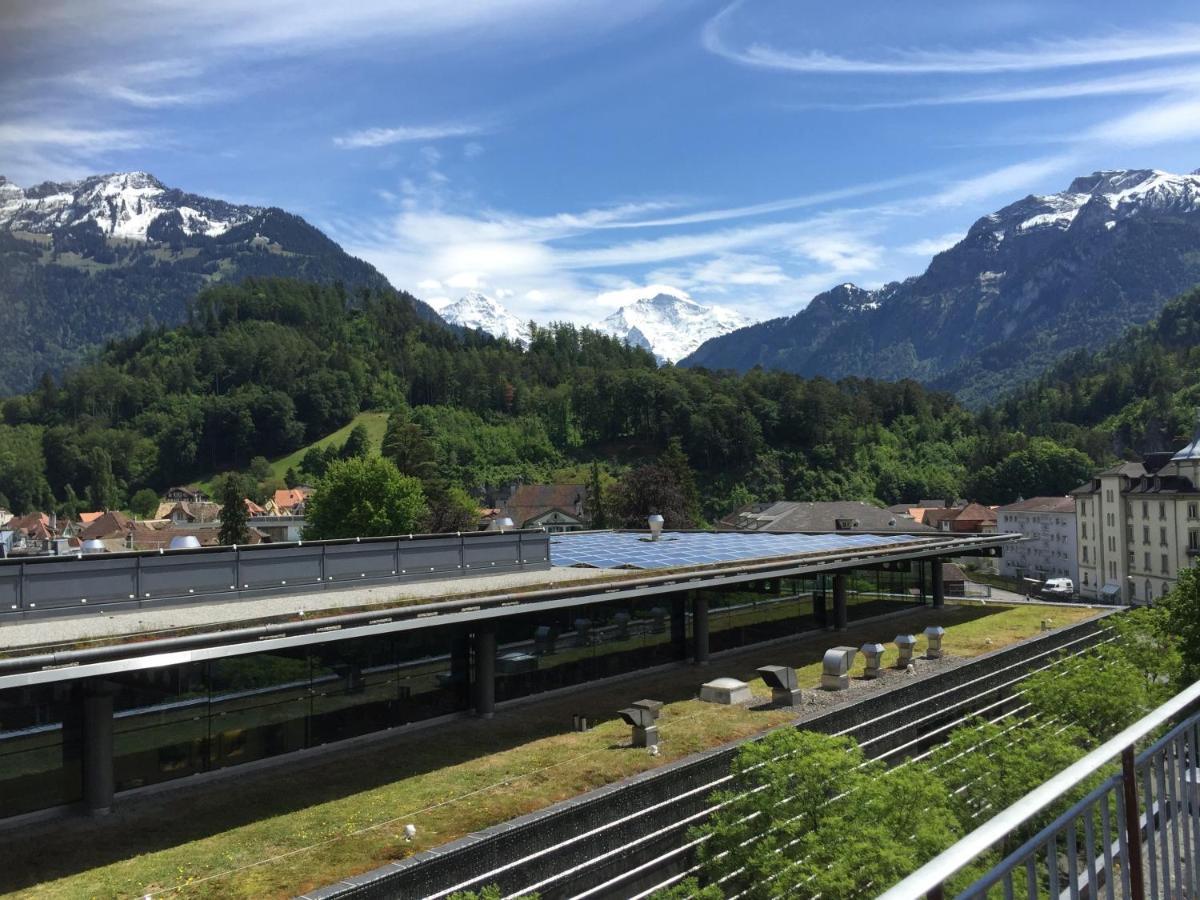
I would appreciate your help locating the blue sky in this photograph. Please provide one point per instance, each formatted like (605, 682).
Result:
(563, 156)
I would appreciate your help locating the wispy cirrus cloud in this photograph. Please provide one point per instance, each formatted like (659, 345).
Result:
(1164, 42)
(406, 134)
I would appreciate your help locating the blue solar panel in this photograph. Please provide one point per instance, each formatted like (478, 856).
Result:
(627, 550)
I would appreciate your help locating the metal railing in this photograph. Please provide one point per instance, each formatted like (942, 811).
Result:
(81, 582)
(1135, 835)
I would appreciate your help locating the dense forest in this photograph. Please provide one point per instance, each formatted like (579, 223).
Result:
(266, 367)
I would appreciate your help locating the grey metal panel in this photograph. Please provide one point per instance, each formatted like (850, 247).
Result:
(10, 590)
(349, 561)
(433, 555)
(279, 567)
(79, 582)
(492, 551)
(171, 575)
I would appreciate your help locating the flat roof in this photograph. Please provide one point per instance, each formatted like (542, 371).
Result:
(637, 550)
(37, 650)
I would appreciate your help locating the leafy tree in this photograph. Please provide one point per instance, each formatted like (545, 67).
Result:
(689, 889)
(1181, 621)
(234, 515)
(450, 508)
(364, 497)
(808, 812)
(291, 478)
(358, 443)
(651, 489)
(144, 503)
(260, 468)
(1101, 693)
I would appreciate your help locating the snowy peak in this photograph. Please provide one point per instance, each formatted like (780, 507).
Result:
(1100, 200)
(479, 312)
(122, 205)
(670, 326)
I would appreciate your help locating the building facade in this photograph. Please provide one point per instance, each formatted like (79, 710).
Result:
(1138, 525)
(1050, 546)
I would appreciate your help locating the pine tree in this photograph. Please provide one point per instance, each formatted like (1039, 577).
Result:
(593, 501)
(675, 461)
(102, 492)
(407, 445)
(234, 515)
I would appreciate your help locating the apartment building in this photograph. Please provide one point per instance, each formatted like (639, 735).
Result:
(1138, 525)
(1050, 531)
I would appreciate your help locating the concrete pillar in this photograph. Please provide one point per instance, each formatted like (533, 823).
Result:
(485, 671)
(98, 777)
(939, 586)
(679, 626)
(699, 628)
(841, 619)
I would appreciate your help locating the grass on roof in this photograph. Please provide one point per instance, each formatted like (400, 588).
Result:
(277, 834)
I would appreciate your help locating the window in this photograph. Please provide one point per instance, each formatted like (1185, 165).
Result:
(1145, 534)
(1194, 540)
(1147, 561)
(1149, 591)
(1085, 556)
(1145, 509)
(1162, 591)
(1162, 536)
(1166, 565)
(1084, 532)
(1162, 509)
(1129, 534)
(1085, 578)
(1192, 510)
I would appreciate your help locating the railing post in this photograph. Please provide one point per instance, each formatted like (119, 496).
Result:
(1133, 826)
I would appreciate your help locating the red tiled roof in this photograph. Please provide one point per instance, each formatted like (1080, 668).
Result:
(528, 501)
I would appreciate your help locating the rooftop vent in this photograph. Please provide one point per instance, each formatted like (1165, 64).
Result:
(184, 542)
(656, 526)
(93, 546)
(503, 523)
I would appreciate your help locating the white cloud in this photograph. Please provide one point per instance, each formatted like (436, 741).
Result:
(34, 132)
(1172, 119)
(932, 246)
(1166, 41)
(1004, 181)
(383, 137)
(615, 299)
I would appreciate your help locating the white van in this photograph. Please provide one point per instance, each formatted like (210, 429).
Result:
(1064, 587)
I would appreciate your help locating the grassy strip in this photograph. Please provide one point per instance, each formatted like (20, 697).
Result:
(449, 782)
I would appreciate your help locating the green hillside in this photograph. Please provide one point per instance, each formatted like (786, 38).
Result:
(271, 367)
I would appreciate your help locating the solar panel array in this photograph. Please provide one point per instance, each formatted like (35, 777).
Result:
(628, 550)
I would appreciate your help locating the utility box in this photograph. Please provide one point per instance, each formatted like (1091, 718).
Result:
(726, 691)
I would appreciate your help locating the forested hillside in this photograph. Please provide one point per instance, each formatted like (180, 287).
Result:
(264, 367)
(1140, 394)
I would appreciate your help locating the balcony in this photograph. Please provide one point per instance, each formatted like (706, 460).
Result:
(1131, 837)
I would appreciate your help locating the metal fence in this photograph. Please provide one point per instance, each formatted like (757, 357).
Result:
(80, 582)
(1135, 835)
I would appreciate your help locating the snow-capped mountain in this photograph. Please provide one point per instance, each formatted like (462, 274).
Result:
(91, 260)
(1034, 280)
(123, 205)
(670, 326)
(478, 311)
